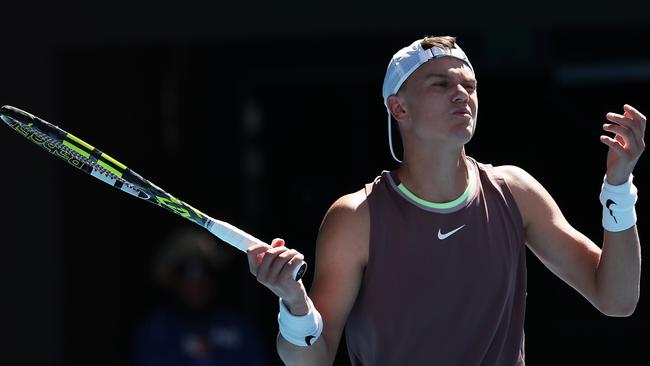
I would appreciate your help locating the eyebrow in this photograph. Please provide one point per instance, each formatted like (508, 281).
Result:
(445, 76)
(433, 74)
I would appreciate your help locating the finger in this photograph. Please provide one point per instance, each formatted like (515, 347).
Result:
(624, 133)
(270, 257)
(296, 260)
(635, 113)
(613, 144)
(280, 264)
(639, 118)
(627, 122)
(255, 254)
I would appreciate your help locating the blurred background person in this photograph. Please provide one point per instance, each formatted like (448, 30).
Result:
(195, 323)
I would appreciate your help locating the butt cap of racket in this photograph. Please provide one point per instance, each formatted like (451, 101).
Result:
(299, 271)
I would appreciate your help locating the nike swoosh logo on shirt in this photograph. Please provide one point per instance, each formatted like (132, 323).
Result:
(444, 236)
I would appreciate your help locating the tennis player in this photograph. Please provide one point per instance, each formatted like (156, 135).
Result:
(426, 264)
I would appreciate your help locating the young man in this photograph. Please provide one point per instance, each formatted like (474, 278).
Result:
(426, 265)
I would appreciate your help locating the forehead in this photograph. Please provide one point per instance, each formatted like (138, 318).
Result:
(449, 66)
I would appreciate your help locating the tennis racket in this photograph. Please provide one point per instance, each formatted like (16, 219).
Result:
(87, 158)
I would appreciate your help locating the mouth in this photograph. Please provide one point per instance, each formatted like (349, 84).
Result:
(462, 112)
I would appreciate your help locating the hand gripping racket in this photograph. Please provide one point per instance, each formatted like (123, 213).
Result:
(103, 167)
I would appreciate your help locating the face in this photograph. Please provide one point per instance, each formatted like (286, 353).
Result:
(193, 284)
(438, 103)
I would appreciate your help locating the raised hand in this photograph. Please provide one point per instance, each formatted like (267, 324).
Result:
(627, 144)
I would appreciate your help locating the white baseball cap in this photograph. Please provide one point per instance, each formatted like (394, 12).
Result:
(404, 62)
(409, 58)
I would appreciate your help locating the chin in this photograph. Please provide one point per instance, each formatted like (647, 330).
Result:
(464, 133)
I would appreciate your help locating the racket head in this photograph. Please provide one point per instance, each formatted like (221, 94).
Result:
(69, 148)
(93, 161)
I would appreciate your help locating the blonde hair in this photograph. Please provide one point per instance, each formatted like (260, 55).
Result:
(427, 42)
(438, 41)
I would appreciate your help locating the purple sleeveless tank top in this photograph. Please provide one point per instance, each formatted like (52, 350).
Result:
(443, 285)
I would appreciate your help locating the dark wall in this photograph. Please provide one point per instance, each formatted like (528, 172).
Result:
(263, 114)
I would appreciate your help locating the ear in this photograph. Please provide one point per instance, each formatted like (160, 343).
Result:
(397, 108)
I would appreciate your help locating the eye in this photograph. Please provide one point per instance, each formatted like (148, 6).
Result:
(442, 84)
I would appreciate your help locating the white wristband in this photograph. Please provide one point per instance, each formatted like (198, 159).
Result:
(300, 330)
(618, 205)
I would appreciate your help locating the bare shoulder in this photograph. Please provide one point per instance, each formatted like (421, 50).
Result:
(532, 198)
(516, 177)
(352, 204)
(347, 224)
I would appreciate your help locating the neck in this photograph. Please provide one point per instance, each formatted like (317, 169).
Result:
(440, 177)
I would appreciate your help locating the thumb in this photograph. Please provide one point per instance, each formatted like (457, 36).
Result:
(277, 242)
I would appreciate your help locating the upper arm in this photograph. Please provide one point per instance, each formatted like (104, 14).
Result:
(341, 256)
(561, 248)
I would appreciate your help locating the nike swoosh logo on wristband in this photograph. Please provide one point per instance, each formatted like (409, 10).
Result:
(611, 213)
(308, 339)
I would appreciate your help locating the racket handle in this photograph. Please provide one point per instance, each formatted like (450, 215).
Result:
(243, 240)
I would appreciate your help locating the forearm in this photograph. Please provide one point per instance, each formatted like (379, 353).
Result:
(619, 272)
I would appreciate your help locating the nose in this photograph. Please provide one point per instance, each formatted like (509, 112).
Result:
(460, 94)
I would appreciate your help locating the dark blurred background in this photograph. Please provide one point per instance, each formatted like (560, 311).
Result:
(262, 114)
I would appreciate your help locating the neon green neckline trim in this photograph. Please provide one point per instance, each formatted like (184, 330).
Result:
(444, 205)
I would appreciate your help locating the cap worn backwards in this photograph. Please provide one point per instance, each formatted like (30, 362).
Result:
(409, 58)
